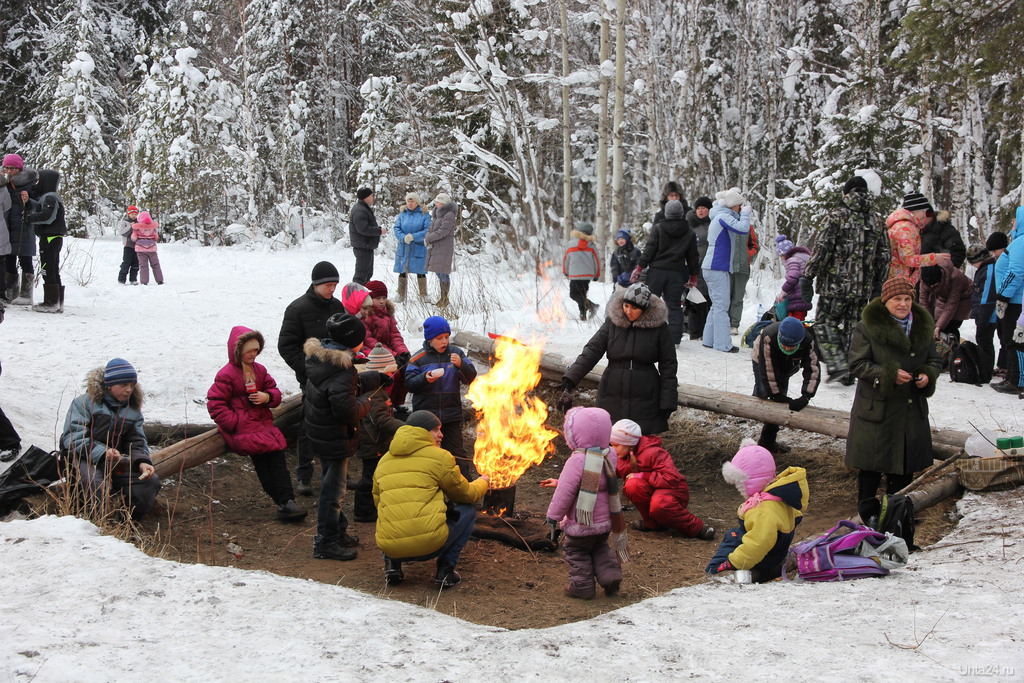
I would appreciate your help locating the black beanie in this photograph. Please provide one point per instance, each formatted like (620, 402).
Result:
(855, 183)
(346, 329)
(997, 240)
(703, 201)
(931, 275)
(324, 272)
(364, 192)
(423, 418)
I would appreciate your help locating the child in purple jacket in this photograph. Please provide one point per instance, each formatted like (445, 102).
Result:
(586, 506)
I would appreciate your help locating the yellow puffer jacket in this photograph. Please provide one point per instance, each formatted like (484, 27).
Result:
(770, 524)
(409, 487)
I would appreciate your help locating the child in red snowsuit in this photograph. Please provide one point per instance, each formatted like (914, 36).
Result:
(653, 484)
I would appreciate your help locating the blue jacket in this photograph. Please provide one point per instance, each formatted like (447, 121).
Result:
(415, 223)
(723, 222)
(443, 396)
(1010, 266)
(97, 421)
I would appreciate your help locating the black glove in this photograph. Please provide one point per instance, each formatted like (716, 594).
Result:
(402, 359)
(555, 531)
(779, 398)
(798, 404)
(564, 402)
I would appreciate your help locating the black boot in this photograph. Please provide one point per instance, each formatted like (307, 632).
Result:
(446, 576)
(51, 300)
(27, 290)
(393, 573)
(332, 551)
(290, 512)
(363, 509)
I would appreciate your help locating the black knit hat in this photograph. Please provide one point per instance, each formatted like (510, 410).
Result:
(423, 418)
(915, 201)
(346, 329)
(931, 275)
(325, 272)
(854, 184)
(997, 240)
(364, 192)
(703, 201)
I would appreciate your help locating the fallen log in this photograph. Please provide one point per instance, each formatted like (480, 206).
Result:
(210, 444)
(835, 423)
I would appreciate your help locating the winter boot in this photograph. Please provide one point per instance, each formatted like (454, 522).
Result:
(332, 551)
(403, 286)
(51, 300)
(446, 576)
(304, 487)
(290, 512)
(706, 533)
(443, 302)
(27, 289)
(363, 509)
(421, 282)
(393, 571)
(60, 299)
(12, 289)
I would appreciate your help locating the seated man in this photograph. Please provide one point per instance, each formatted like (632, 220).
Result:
(409, 488)
(780, 350)
(104, 440)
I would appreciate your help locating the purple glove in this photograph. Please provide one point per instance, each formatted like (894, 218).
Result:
(635, 276)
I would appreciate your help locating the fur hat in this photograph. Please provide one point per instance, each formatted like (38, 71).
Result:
(364, 192)
(783, 245)
(996, 241)
(424, 419)
(915, 201)
(626, 432)
(855, 184)
(324, 272)
(977, 253)
(145, 218)
(443, 198)
(585, 227)
(587, 428)
(751, 469)
(381, 360)
(791, 332)
(377, 289)
(435, 326)
(352, 297)
(731, 197)
(673, 209)
(118, 370)
(703, 201)
(346, 329)
(639, 295)
(14, 161)
(897, 286)
(413, 196)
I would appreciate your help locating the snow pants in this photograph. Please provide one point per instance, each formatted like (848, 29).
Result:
(663, 508)
(147, 259)
(272, 471)
(140, 496)
(589, 557)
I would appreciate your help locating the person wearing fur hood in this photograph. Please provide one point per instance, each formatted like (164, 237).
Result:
(104, 439)
(940, 236)
(640, 381)
(239, 401)
(769, 515)
(581, 265)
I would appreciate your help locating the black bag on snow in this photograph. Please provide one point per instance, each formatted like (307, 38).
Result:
(897, 517)
(967, 366)
(34, 470)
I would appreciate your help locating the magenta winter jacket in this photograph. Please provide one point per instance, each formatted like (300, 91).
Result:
(247, 429)
(383, 327)
(796, 262)
(563, 503)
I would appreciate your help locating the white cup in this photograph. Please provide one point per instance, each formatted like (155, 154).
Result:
(743, 576)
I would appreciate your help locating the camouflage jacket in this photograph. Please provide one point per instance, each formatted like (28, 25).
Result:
(851, 256)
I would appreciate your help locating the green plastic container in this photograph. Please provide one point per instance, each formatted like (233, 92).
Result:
(1017, 442)
(1004, 443)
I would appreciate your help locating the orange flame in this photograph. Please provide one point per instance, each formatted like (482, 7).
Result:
(511, 435)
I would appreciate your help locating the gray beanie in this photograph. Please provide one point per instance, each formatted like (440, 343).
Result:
(585, 227)
(423, 418)
(673, 209)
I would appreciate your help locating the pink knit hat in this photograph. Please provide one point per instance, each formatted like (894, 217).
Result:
(587, 428)
(751, 469)
(14, 161)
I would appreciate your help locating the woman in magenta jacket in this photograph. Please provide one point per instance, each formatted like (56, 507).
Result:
(239, 402)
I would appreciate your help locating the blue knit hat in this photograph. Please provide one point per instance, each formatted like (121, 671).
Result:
(435, 326)
(624, 234)
(791, 331)
(119, 371)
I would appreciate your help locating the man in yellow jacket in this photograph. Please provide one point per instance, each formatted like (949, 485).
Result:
(410, 484)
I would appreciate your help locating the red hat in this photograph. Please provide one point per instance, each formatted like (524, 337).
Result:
(377, 289)
(133, 208)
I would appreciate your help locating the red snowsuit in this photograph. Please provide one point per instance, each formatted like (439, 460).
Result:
(659, 491)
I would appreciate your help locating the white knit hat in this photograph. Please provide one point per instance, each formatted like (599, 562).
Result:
(731, 197)
(443, 198)
(626, 432)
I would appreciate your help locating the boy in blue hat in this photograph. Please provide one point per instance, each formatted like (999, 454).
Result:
(434, 376)
(780, 351)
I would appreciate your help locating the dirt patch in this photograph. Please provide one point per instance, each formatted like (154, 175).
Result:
(221, 503)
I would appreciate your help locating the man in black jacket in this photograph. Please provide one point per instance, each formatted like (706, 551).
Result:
(939, 236)
(304, 318)
(780, 351)
(364, 233)
(670, 257)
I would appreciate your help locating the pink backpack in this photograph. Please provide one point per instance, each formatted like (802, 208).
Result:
(846, 552)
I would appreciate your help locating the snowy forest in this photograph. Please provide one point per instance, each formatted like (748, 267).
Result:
(256, 121)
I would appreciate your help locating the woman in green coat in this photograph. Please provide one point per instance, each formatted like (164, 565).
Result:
(893, 357)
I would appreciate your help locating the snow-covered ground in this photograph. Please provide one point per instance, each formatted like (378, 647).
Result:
(75, 605)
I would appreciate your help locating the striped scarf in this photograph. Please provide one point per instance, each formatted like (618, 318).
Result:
(595, 465)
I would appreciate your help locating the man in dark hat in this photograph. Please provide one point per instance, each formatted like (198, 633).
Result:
(304, 318)
(364, 233)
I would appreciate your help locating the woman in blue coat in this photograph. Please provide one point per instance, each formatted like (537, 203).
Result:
(411, 257)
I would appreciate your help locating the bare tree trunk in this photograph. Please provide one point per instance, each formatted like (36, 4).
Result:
(567, 220)
(600, 193)
(618, 113)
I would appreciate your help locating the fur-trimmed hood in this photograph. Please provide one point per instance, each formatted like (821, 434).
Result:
(238, 338)
(314, 348)
(577, 235)
(25, 179)
(655, 315)
(389, 309)
(97, 392)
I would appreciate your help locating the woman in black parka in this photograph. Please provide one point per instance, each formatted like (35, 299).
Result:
(640, 380)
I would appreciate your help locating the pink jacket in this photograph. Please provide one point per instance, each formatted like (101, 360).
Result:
(905, 245)
(563, 503)
(146, 235)
(247, 429)
(383, 327)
